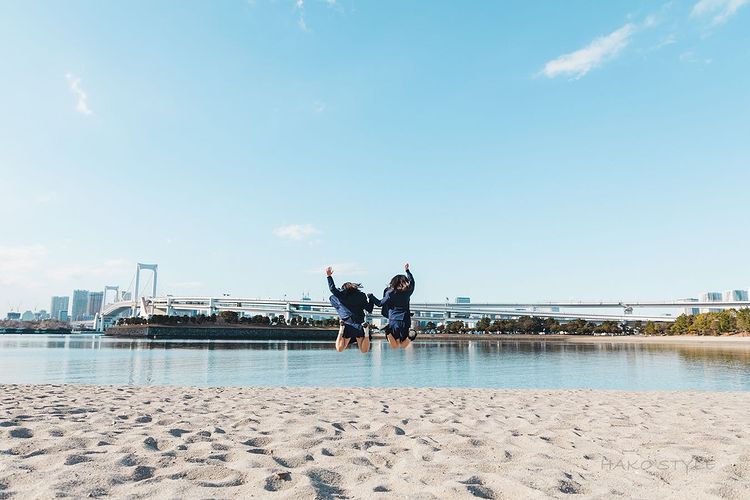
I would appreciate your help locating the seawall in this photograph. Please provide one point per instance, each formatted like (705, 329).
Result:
(222, 332)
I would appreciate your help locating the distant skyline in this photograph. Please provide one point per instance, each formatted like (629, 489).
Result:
(508, 151)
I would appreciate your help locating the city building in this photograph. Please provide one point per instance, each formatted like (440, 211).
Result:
(94, 304)
(80, 305)
(691, 310)
(40, 315)
(59, 304)
(13, 316)
(463, 300)
(735, 295)
(28, 316)
(711, 297)
(63, 316)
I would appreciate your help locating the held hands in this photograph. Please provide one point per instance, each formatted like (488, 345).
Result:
(329, 271)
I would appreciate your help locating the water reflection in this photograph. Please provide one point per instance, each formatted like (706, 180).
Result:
(481, 363)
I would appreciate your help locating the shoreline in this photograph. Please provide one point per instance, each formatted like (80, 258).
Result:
(624, 339)
(95, 440)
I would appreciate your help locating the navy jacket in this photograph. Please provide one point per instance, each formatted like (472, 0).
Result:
(351, 304)
(396, 304)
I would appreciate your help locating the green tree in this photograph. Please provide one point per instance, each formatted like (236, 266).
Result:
(483, 325)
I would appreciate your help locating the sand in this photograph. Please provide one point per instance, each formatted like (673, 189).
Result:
(168, 442)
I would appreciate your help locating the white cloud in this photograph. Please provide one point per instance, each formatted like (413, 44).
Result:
(299, 6)
(319, 106)
(82, 104)
(111, 268)
(577, 64)
(17, 264)
(720, 10)
(296, 232)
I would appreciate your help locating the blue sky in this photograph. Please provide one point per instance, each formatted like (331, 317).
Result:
(508, 150)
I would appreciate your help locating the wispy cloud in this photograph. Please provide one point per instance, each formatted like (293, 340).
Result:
(719, 10)
(111, 268)
(82, 104)
(299, 6)
(577, 64)
(297, 232)
(319, 106)
(692, 57)
(18, 263)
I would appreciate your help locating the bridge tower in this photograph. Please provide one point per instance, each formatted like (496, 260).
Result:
(143, 267)
(109, 288)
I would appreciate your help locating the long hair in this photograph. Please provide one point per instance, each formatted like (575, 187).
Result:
(350, 287)
(400, 283)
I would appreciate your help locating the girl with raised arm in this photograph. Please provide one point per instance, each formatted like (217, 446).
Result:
(350, 304)
(395, 304)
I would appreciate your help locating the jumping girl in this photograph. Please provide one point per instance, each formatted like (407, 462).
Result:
(395, 304)
(350, 304)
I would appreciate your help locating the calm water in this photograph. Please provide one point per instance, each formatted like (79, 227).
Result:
(500, 364)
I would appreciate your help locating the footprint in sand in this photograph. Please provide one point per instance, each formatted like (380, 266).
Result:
(293, 462)
(21, 433)
(326, 483)
(278, 481)
(76, 459)
(476, 487)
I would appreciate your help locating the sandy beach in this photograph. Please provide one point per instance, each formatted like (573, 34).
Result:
(135, 442)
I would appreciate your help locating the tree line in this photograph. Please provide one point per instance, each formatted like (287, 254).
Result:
(228, 318)
(725, 322)
(730, 321)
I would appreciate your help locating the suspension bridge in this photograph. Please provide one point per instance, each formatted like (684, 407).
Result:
(140, 303)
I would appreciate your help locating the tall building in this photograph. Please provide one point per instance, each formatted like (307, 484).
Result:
(80, 305)
(735, 295)
(59, 304)
(94, 304)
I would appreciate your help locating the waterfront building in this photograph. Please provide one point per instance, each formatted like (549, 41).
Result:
(80, 305)
(735, 295)
(463, 300)
(28, 316)
(63, 316)
(712, 297)
(40, 315)
(59, 304)
(691, 310)
(94, 303)
(13, 316)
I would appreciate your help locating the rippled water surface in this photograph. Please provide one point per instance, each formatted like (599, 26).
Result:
(503, 363)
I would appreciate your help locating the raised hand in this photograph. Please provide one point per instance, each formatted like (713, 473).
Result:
(329, 271)
(406, 266)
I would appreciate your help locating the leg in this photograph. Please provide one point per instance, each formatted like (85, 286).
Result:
(405, 343)
(363, 343)
(341, 342)
(392, 341)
